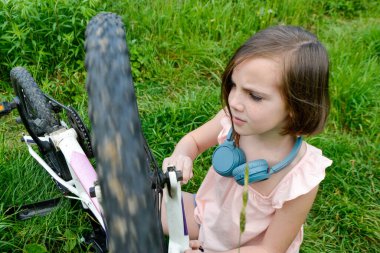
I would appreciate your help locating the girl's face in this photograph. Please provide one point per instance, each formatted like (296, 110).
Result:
(255, 100)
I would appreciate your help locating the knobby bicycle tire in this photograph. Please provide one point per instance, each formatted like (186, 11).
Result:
(34, 106)
(38, 118)
(132, 224)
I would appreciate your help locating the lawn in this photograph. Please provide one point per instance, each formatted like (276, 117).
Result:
(178, 51)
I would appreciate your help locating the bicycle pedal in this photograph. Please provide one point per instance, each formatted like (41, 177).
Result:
(28, 211)
(7, 107)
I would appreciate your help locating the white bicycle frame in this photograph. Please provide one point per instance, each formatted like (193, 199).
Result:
(82, 172)
(84, 177)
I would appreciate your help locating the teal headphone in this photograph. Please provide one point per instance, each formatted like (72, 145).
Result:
(229, 161)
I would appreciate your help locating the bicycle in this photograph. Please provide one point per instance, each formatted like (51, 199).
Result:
(129, 217)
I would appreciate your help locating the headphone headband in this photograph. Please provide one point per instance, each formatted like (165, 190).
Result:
(229, 160)
(287, 160)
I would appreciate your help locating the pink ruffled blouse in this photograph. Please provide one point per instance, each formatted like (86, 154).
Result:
(219, 201)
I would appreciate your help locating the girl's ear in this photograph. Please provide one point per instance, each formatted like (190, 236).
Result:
(291, 118)
(291, 115)
(290, 112)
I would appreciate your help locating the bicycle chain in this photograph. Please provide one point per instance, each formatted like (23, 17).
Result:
(77, 124)
(84, 138)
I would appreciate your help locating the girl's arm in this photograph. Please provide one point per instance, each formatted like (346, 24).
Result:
(193, 144)
(287, 222)
(284, 227)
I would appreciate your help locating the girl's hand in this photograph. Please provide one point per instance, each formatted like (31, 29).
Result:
(181, 163)
(195, 246)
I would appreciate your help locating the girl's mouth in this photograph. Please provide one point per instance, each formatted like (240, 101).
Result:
(237, 121)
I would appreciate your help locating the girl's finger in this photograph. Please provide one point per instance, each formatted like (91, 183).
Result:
(188, 168)
(168, 162)
(195, 244)
(185, 164)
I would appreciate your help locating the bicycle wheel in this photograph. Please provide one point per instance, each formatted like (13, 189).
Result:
(132, 223)
(38, 118)
(34, 107)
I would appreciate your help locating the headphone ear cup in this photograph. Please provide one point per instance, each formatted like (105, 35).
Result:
(226, 157)
(258, 171)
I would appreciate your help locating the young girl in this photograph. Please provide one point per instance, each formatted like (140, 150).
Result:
(274, 90)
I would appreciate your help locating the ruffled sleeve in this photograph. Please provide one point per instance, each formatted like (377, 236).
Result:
(226, 124)
(307, 174)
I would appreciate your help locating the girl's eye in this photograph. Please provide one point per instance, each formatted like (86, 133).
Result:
(256, 98)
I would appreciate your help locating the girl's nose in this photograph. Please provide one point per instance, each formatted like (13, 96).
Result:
(236, 100)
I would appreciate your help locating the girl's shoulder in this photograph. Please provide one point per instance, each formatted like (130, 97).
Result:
(304, 176)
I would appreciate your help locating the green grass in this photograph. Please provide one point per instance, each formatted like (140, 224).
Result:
(178, 52)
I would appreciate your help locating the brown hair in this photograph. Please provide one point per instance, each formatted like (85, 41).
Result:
(305, 74)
